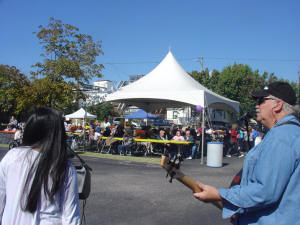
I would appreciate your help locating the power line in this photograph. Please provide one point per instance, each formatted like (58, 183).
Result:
(121, 73)
(255, 59)
(142, 62)
(209, 58)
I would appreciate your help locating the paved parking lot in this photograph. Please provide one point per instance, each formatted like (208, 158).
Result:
(131, 193)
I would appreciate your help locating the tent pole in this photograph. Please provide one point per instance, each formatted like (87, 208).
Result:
(203, 133)
(84, 125)
(147, 113)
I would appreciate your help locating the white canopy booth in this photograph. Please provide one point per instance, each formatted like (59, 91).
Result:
(168, 85)
(80, 114)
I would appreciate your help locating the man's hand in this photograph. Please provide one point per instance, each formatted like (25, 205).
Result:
(208, 194)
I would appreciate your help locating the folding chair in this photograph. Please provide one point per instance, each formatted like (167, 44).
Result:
(106, 148)
(100, 145)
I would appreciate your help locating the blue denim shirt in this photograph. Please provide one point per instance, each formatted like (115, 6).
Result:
(269, 192)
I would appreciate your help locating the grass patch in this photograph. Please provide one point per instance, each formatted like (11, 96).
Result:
(154, 160)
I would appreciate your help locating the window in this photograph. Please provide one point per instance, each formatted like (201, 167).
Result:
(175, 115)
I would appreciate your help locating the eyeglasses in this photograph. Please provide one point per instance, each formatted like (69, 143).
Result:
(259, 101)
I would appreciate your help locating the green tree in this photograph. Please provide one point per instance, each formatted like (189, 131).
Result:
(237, 81)
(296, 89)
(202, 77)
(45, 92)
(13, 84)
(69, 62)
(103, 110)
(271, 78)
(214, 78)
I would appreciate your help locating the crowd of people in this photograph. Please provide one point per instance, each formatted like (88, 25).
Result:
(241, 139)
(176, 133)
(235, 140)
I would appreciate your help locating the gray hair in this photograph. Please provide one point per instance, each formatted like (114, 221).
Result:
(286, 107)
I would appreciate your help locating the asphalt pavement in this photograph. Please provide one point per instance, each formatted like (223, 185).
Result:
(132, 193)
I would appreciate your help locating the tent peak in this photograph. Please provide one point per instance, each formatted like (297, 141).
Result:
(168, 85)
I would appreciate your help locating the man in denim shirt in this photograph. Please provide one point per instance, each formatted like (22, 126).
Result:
(269, 192)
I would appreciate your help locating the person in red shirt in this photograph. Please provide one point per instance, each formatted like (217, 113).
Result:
(233, 141)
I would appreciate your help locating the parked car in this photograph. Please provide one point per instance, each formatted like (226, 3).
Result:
(117, 120)
(161, 123)
(136, 124)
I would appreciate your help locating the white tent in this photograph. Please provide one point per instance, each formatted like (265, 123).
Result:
(169, 85)
(80, 114)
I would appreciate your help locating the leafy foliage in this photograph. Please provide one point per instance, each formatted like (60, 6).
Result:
(103, 110)
(202, 77)
(13, 84)
(236, 82)
(69, 63)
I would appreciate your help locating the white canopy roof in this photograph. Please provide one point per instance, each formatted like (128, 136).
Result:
(80, 114)
(169, 85)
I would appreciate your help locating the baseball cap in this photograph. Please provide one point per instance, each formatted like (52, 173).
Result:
(281, 90)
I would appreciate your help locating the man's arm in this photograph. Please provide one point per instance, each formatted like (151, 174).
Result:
(208, 194)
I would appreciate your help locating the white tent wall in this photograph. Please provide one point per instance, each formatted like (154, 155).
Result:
(187, 116)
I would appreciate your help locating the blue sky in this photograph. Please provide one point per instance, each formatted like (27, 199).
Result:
(137, 34)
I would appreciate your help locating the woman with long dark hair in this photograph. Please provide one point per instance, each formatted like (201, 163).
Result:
(38, 185)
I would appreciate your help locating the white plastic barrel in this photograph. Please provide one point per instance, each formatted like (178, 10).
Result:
(214, 154)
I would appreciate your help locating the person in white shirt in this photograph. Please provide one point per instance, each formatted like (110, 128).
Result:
(38, 185)
(18, 134)
(105, 124)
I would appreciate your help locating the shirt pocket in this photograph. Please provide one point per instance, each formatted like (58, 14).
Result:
(251, 163)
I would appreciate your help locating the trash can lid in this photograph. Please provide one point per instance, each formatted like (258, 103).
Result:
(217, 143)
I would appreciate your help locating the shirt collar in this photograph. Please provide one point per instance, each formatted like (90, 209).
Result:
(286, 118)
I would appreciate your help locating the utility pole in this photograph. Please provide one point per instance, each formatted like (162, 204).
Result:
(201, 61)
